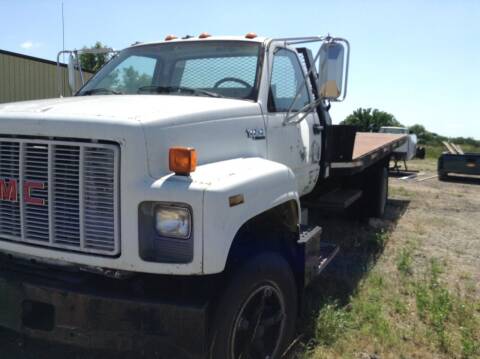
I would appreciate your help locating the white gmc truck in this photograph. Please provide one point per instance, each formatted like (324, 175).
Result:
(165, 204)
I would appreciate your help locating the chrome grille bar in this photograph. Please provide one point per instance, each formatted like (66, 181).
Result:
(10, 224)
(66, 194)
(35, 172)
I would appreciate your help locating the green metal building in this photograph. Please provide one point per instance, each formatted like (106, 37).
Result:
(25, 78)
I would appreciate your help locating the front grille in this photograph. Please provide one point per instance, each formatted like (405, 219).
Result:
(60, 194)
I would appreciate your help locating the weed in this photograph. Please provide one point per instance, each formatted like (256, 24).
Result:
(470, 345)
(469, 326)
(399, 306)
(404, 262)
(422, 298)
(378, 240)
(331, 322)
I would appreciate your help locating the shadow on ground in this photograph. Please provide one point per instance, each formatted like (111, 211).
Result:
(362, 243)
(402, 173)
(462, 179)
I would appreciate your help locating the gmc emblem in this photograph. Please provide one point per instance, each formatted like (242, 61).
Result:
(9, 191)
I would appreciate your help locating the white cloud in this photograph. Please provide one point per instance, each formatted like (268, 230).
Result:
(27, 45)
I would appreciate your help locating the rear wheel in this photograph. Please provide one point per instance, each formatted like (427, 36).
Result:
(256, 314)
(374, 186)
(378, 192)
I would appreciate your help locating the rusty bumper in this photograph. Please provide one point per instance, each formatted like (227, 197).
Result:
(93, 318)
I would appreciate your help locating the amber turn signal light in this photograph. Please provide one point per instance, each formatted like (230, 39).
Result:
(182, 160)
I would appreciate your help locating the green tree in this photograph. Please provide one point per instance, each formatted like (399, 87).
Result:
(132, 80)
(370, 120)
(426, 137)
(423, 135)
(93, 62)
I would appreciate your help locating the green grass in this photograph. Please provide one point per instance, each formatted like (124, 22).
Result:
(448, 315)
(332, 321)
(405, 261)
(396, 314)
(435, 305)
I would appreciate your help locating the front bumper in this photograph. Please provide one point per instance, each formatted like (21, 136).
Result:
(101, 313)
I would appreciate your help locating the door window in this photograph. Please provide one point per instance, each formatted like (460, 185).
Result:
(287, 76)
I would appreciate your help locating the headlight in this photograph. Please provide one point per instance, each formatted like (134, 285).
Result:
(165, 232)
(173, 222)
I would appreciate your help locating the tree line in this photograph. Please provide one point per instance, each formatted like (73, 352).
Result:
(370, 120)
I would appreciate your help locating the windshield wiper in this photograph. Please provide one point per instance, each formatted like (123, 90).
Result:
(101, 90)
(173, 89)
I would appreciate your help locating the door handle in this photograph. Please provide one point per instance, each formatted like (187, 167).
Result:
(317, 128)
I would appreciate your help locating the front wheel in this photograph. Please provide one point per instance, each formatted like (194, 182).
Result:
(256, 315)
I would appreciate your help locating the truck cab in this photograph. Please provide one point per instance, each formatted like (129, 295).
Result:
(172, 186)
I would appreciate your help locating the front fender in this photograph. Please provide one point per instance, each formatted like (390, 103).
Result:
(263, 184)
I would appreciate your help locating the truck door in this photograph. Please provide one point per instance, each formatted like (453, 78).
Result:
(296, 145)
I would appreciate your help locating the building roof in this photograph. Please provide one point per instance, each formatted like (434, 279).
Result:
(31, 58)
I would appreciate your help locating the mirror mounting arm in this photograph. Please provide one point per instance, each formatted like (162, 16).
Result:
(305, 110)
(299, 88)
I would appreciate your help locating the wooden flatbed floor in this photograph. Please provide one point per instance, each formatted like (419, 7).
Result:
(367, 143)
(368, 149)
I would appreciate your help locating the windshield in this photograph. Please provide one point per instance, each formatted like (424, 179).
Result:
(200, 68)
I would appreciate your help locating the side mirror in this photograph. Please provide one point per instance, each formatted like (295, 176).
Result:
(72, 73)
(333, 69)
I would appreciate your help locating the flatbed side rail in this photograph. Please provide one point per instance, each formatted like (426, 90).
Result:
(368, 150)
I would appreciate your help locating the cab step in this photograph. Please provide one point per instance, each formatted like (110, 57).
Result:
(317, 254)
(336, 200)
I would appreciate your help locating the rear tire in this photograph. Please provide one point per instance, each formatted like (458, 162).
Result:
(374, 194)
(256, 314)
(379, 193)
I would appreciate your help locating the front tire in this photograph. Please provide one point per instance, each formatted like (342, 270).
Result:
(255, 316)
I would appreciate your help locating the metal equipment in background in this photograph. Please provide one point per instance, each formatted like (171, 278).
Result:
(405, 152)
(455, 160)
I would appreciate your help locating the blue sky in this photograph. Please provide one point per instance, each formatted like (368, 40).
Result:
(415, 59)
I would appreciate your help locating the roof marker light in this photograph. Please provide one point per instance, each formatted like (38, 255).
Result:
(250, 35)
(204, 35)
(170, 37)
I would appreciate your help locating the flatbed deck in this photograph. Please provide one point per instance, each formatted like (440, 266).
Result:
(368, 148)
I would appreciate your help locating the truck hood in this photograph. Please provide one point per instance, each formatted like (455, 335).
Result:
(168, 109)
(150, 123)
